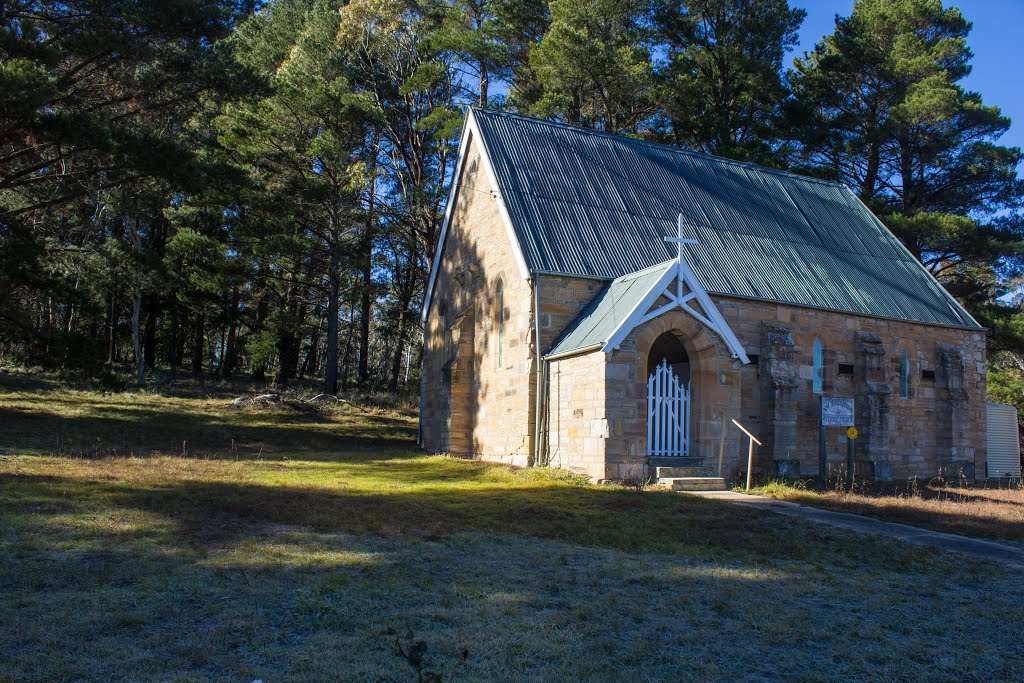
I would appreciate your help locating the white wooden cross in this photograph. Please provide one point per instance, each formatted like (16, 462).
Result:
(679, 239)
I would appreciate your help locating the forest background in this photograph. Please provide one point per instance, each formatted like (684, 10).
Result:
(254, 190)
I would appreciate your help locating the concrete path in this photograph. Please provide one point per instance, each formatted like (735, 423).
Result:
(1007, 554)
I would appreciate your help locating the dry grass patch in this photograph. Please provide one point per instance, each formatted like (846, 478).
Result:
(993, 511)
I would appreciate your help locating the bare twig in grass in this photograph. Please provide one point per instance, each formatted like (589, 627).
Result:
(414, 652)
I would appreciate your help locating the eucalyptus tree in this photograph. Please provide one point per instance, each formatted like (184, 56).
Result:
(409, 75)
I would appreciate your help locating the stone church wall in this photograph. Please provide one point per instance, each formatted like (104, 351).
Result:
(939, 427)
(478, 394)
(578, 428)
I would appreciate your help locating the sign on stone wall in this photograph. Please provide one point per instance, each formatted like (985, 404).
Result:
(837, 412)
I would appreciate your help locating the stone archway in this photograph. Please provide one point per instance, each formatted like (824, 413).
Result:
(668, 398)
(714, 386)
(706, 354)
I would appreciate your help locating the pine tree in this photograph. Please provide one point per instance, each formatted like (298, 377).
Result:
(879, 106)
(593, 66)
(723, 86)
(304, 142)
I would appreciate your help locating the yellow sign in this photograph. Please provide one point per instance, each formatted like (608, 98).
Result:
(851, 433)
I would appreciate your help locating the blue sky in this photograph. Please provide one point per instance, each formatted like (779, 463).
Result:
(996, 38)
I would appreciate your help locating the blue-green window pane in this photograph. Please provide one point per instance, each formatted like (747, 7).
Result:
(904, 375)
(818, 375)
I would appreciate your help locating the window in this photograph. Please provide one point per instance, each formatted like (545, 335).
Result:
(816, 378)
(501, 323)
(845, 369)
(904, 375)
(445, 334)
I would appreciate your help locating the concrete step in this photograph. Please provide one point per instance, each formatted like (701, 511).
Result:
(686, 471)
(693, 483)
(662, 461)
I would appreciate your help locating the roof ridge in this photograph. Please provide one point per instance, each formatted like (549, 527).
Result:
(658, 145)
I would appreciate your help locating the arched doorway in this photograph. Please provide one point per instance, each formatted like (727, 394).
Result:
(668, 398)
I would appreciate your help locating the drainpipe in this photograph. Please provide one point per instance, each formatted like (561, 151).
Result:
(538, 373)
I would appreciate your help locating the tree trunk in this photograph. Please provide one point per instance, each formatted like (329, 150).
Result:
(140, 360)
(311, 362)
(149, 345)
(198, 345)
(406, 292)
(228, 359)
(365, 309)
(220, 351)
(347, 359)
(259, 372)
(180, 341)
(111, 327)
(484, 84)
(333, 295)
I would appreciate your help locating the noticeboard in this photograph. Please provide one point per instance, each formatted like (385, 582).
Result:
(837, 412)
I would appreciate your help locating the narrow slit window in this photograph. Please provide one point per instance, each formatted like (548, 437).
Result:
(818, 374)
(904, 375)
(501, 323)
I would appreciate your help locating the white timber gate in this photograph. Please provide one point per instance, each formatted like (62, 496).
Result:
(1003, 442)
(668, 413)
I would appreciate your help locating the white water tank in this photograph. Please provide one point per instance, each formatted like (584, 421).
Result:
(1003, 442)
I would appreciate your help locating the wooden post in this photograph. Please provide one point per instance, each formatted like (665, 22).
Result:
(721, 445)
(750, 451)
(822, 456)
(849, 460)
(750, 462)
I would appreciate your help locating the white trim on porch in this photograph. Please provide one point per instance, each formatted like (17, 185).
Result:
(670, 286)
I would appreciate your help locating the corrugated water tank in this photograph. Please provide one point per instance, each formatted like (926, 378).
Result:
(1003, 442)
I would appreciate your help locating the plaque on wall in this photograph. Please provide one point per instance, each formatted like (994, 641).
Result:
(837, 412)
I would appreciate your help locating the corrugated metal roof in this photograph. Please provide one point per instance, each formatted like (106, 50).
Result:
(591, 204)
(609, 308)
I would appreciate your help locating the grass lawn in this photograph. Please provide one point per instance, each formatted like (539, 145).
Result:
(992, 511)
(147, 537)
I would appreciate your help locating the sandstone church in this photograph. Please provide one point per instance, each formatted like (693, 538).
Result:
(608, 306)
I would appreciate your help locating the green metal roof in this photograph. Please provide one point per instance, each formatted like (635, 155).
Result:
(607, 310)
(591, 204)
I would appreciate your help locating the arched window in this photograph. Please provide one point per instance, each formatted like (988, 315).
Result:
(501, 323)
(818, 375)
(904, 375)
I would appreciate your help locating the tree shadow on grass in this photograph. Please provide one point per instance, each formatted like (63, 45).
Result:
(216, 512)
(125, 429)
